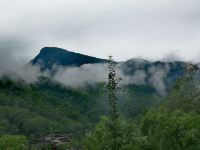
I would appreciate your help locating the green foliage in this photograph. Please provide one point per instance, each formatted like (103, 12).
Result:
(136, 99)
(42, 108)
(11, 142)
(112, 123)
(159, 130)
(130, 138)
(35, 110)
(171, 130)
(184, 96)
(101, 138)
(174, 125)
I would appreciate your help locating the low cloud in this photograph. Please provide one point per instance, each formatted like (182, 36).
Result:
(95, 73)
(79, 76)
(171, 57)
(157, 77)
(17, 68)
(138, 78)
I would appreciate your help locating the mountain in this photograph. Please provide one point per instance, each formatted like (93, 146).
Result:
(159, 77)
(50, 56)
(159, 74)
(48, 107)
(169, 71)
(44, 107)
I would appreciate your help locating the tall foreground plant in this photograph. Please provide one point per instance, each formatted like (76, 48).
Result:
(192, 69)
(112, 88)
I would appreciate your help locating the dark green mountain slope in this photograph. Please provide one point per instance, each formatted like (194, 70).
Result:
(171, 71)
(45, 107)
(50, 56)
(35, 110)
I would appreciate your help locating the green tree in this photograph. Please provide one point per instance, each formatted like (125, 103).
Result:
(13, 142)
(175, 130)
(113, 124)
(100, 138)
(107, 133)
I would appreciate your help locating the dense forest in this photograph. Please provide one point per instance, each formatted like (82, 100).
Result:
(35, 110)
(102, 116)
(174, 124)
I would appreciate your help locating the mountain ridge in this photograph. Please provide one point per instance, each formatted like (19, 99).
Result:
(50, 56)
(169, 72)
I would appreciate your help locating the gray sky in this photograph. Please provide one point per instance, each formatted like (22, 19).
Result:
(122, 28)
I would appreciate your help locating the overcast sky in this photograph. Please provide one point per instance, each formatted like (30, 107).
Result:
(122, 28)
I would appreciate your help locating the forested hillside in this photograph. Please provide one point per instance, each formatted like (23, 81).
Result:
(174, 124)
(47, 107)
(159, 112)
(147, 121)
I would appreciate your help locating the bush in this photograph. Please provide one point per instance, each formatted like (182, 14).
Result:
(13, 142)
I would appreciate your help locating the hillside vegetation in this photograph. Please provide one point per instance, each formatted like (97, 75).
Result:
(46, 107)
(174, 124)
(99, 116)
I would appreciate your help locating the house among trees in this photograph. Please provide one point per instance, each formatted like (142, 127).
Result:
(56, 139)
